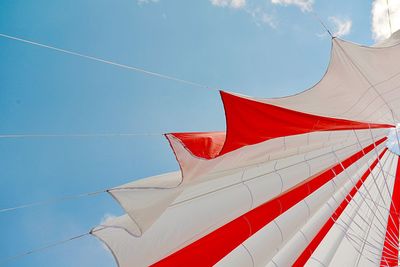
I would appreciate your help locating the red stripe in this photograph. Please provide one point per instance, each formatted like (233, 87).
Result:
(211, 248)
(390, 252)
(309, 250)
(202, 144)
(250, 122)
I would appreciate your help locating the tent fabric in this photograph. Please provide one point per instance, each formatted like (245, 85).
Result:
(307, 252)
(254, 244)
(390, 248)
(249, 164)
(208, 250)
(243, 125)
(342, 244)
(302, 180)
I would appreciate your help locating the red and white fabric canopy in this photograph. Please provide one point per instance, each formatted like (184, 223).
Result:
(303, 180)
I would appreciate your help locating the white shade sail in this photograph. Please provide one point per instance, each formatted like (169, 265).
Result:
(303, 180)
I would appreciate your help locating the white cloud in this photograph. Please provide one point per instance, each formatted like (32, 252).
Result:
(341, 27)
(304, 5)
(380, 18)
(258, 12)
(261, 16)
(106, 218)
(229, 3)
(392, 141)
(141, 2)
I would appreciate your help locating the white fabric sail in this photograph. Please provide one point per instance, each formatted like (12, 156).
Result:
(303, 180)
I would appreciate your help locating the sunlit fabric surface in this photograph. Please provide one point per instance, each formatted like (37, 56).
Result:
(320, 190)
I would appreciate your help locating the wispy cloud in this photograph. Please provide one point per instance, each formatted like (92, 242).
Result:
(260, 12)
(141, 2)
(229, 3)
(392, 141)
(380, 19)
(265, 12)
(341, 27)
(304, 5)
(262, 16)
(106, 218)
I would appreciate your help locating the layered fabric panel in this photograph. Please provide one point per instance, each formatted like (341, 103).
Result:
(390, 252)
(145, 200)
(303, 180)
(358, 84)
(198, 212)
(259, 247)
(356, 238)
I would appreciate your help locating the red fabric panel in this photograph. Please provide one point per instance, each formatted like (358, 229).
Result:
(309, 250)
(250, 122)
(390, 251)
(211, 248)
(205, 145)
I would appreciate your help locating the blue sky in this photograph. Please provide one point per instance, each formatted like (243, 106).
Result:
(259, 48)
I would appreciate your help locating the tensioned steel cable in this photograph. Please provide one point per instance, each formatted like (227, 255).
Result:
(390, 200)
(363, 184)
(23, 254)
(57, 243)
(80, 135)
(128, 67)
(134, 68)
(374, 179)
(367, 233)
(387, 105)
(94, 193)
(362, 196)
(348, 227)
(358, 68)
(321, 22)
(124, 66)
(15, 257)
(383, 234)
(364, 199)
(8, 136)
(53, 200)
